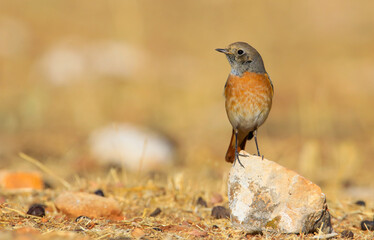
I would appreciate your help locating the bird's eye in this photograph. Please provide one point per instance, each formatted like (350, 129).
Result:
(240, 52)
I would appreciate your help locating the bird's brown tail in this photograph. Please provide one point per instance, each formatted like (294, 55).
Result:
(242, 140)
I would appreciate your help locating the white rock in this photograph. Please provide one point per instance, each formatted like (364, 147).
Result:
(73, 59)
(111, 58)
(131, 146)
(264, 196)
(63, 64)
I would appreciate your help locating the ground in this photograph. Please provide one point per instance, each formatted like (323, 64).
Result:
(176, 195)
(68, 68)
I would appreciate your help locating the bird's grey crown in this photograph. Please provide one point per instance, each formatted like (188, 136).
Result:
(250, 61)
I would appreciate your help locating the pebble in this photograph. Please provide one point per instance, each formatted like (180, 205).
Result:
(216, 198)
(347, 234)
(201, 202)
(367, 225)
(37, 210)
(99, 192)
(76, 204)
(156, 212)
(137, 233)
(220, 212)
(82, 219)
(360, 203)
(27, 231)
(198, 233)
(21, 180)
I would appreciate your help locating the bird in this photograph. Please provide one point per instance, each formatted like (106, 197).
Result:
(248, 96)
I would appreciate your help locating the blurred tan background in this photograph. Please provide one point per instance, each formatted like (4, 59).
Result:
(70, 67)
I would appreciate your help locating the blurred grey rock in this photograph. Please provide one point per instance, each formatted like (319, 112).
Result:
(112, 58)
(73, 59)
(264, 196)
(131, 146)
(63, 64)
(359, 192)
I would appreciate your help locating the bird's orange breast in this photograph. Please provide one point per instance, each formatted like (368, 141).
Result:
(248, 99)
(249, 82)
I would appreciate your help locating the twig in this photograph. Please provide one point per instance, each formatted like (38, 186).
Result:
(44, 168)
(103, 236)
(15, 210)
(20, 212)
(325, 236)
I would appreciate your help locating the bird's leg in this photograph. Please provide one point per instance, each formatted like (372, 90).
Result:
(258, 151)
(236, 149)
(247, 138)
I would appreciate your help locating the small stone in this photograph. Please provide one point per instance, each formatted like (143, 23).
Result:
(220, 212)
(76, 204)
(347, 234)
(81, 219)
(137, 219)
(174, 228)
(216, 198)
(266, 196)
(47, 185)
(99, 192)
(85, 222)
(325, 236)
(27, 231)
(198, 233)
(156, 212)
(367, 225)
(137, 233)
(37, 210)
(360, 203)
(120, 238)
(200, 201)
(21, 180)
(90, 225)
(157, 229)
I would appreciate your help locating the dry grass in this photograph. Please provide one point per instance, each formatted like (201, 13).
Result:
(320, 57)
(174, 194)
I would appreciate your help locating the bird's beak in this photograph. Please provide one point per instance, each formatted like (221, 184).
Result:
(223, 50)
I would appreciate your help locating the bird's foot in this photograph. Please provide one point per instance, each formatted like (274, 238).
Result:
(262, 156)
(244, 155)
(238, 160)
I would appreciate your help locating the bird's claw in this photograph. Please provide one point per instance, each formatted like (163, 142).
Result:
(238, 160)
